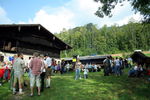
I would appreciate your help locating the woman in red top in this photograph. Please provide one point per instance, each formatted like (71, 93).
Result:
(2, 70)
(53, 65)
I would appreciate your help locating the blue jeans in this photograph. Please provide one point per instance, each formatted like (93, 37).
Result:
(113, 69)
(77, 74)
(117, 70)
(85, 76)
(133, 72)
(29, 73)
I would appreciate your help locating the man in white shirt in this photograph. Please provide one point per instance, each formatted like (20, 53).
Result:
(48, 61)
(48, 70)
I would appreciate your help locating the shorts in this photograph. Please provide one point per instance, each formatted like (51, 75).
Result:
(33, 79)
(48, 72)
(18, 78)
(53, 67)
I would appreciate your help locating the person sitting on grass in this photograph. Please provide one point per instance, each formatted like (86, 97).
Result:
(141, 71)
(95, 67)
(134, 71)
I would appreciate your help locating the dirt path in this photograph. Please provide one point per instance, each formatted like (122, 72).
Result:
(120, 54)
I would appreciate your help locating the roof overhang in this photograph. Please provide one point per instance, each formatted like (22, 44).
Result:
(36, 30)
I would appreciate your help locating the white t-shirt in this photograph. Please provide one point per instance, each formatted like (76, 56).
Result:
(95, 66)
(67, 66)
(135, 68)
(7, 66)
(48, 61)
(117, 62)
(28, 63)
(141, 69)
(86, 71)
(44, 70)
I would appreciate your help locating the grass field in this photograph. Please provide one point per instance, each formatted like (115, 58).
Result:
(148, 54)
(96, 87)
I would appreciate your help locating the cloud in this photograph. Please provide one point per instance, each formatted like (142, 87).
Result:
(3, 17)
(54, 21)
(80, 12)
(88, 6)
(135, 17)
(119, 9)
(125, 20)
(70, 15)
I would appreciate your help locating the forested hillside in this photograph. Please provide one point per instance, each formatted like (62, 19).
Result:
(89, 40)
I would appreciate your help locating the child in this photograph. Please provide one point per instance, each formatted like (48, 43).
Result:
(85, 70)
(7, 67)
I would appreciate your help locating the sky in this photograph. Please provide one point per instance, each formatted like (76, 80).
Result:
(58, 14)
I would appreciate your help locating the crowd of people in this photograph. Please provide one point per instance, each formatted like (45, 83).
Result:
(85, 68)
(41, 67)
(115, 65)
(38, 68)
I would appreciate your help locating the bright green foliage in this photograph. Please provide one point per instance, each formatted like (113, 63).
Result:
(89, 40)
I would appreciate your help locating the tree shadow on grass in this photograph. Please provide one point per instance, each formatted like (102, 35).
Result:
(96, 87)
(124, 88)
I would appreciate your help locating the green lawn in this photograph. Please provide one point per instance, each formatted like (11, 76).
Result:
(148, 54)
(97, 87)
